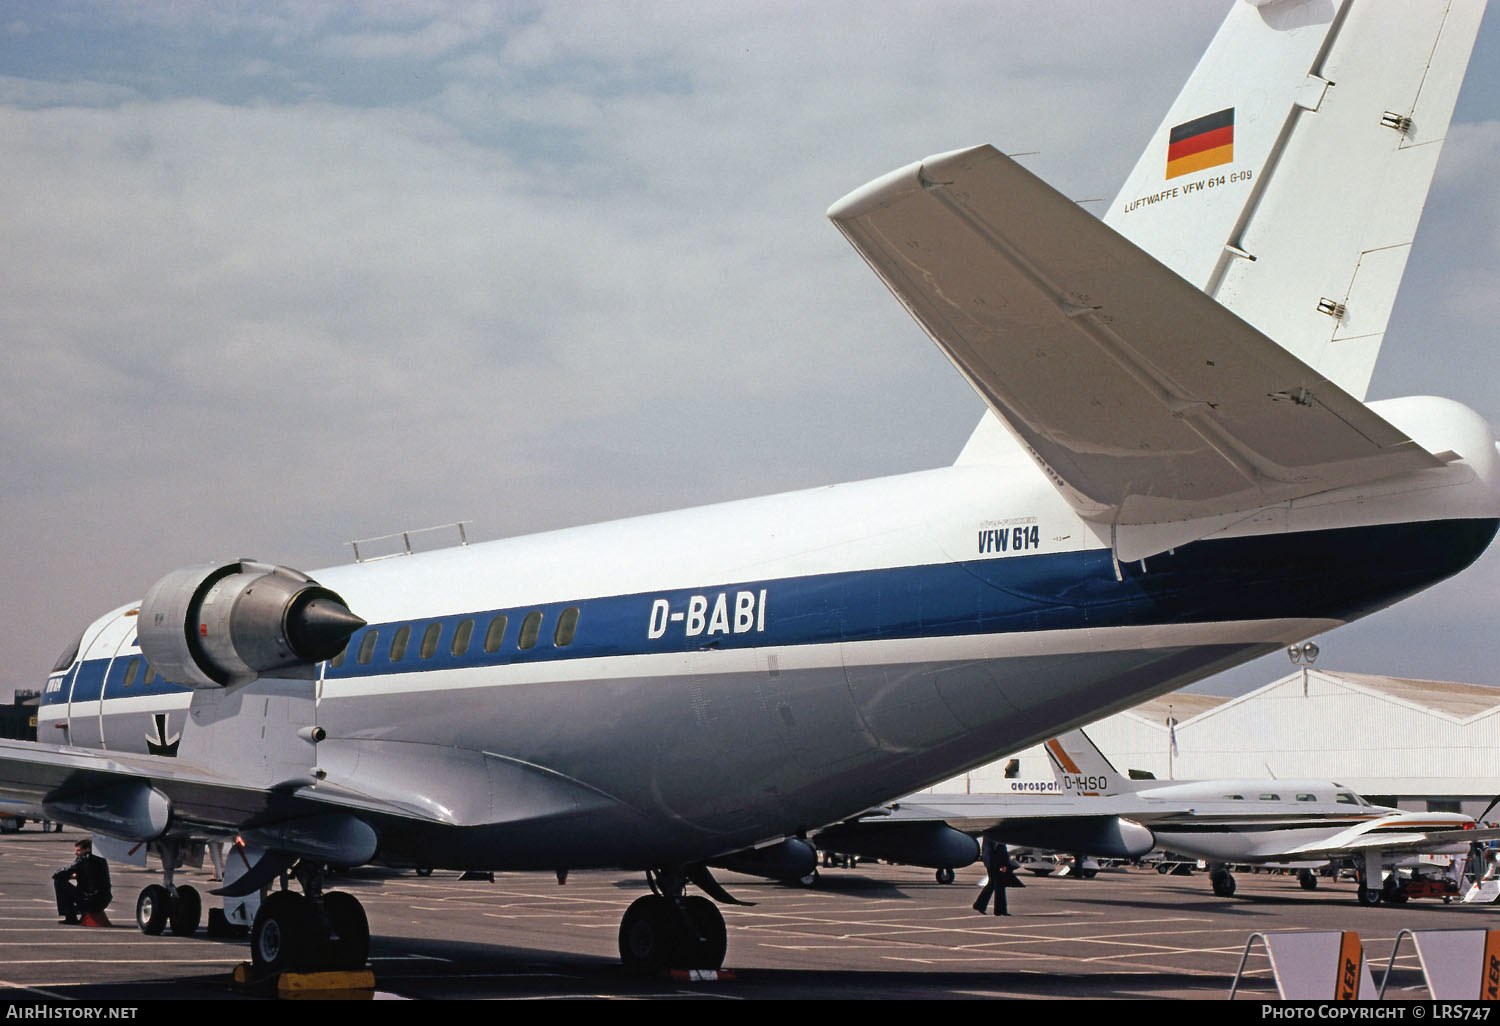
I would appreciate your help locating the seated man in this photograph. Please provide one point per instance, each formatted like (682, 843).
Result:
(91, 893)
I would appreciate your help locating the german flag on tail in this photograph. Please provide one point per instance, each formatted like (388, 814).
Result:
(1201, 143)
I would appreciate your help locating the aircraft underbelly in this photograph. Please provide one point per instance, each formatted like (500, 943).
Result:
(722, 759)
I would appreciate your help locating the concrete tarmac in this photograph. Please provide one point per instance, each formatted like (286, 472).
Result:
(871, 932)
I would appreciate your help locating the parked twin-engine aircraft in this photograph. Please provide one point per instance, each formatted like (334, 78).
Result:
(1176, 474)
(1269, 821)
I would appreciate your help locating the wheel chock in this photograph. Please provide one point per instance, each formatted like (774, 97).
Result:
(310, 984)
(292, 984)
(95, 919)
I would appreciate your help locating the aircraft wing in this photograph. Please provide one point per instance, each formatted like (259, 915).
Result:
(1415, 840)
(976, 813)
(361, 789)
(1116, 826)
(1145, 400)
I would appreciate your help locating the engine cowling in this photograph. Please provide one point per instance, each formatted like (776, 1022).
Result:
(212, 626)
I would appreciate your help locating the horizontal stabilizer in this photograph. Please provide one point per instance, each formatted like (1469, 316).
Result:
(1145, 401)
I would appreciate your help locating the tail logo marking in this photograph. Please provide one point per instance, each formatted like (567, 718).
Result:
(1201, 143)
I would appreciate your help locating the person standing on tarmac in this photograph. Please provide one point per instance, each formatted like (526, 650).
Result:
(91, 893)
(1000, 876)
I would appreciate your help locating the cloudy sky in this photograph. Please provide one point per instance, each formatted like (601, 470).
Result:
(276, 276)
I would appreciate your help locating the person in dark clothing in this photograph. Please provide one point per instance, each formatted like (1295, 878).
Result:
(1000, 876)
(91, 893)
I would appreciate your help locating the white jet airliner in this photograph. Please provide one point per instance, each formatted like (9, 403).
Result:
(1176, 474)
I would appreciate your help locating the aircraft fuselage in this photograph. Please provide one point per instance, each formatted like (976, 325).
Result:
(702, 681)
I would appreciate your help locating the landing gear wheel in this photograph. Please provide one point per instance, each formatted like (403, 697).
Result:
(424, 870)
(152, 909)
(647, 933)
(807, 879)
(187, 912)
(1391, 891)
(350, 947)
(1222, 882)
(1308, 879)
(704, 948)
(945, 875)
(1369, 896)
(279, 936)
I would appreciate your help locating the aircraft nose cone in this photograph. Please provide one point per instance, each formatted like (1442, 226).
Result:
(318, 625)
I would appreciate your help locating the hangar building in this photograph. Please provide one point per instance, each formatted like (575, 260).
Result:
(1412, 743)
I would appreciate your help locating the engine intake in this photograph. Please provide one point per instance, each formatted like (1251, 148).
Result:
(207, 626)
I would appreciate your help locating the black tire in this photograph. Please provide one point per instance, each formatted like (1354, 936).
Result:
(1369, 896)
(1391, 892)
(706, 950)
(350, 947)
(281, 936)
(807, 880)
(1163, 868)
(946, 875)
(647, 934)
(1222, 883)
(10, 824)
(152, 909)
(424, 870)
(187, 912)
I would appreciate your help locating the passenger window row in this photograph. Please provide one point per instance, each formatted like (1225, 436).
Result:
(463, 635)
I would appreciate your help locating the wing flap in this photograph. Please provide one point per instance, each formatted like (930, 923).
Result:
(1145, 400)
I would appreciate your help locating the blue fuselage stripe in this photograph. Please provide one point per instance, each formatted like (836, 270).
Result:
(1338, 574)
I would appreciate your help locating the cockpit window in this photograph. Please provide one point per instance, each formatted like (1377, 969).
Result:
(69, 654)
(1345, 798)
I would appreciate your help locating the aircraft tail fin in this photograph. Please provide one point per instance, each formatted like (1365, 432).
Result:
(1081, 769)
(1288, 177)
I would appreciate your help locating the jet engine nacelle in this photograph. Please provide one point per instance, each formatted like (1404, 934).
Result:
(934, 845)
(207, 626)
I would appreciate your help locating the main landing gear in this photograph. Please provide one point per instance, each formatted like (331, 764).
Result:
(1222, 881)
(309, 932)
(164, 905)
(668, 929)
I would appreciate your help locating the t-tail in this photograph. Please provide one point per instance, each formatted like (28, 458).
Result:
(1082, 770)
(1287, 179)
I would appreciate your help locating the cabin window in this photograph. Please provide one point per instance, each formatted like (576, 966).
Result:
(1270, 797)
(531, 628)
(567, 626)
(1235, 797)
(430, 639)
(398, 643)
(495, 634)
(461, 637)
(367, 647)
(1307, 797)
(131, 671)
